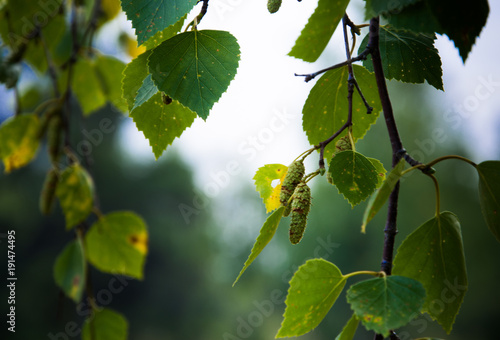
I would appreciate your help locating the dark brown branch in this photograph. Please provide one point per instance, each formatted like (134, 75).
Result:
(391, 225)
(200, 16)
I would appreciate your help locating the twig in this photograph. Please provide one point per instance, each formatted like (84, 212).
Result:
(311, 76)
(200, 16)
(92, 25)
(50, 65)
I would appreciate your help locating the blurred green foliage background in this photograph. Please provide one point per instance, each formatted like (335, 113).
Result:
(187, 291)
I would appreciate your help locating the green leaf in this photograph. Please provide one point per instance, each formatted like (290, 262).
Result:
(319, 29)
(380, 170)
(161, 123)
(17, 28)
(195, 67)
(379, 7)
(416, 17)
(264, 178)
(151, 16)
(408, 57)
(354, 176)
(109, 72)
(133, 78)
(18, 141)
(461, 22)
(349, 329)
(106, 324)
(69, 270)
(86, 88)
(489, 194)
(314, 288)
(147, 90)
(326, 107)
(75, 192)
(266, 234)
(96, 82)
(378, 199)
(118, 243)
(386, 303)
(167, 33)
(433, 254)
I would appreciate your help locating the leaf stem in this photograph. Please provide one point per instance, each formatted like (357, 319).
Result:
(363, 272)
(436, 185)
(444, 158)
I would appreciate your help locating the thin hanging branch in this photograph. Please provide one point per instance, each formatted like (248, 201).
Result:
(311, 76)
(392, 211)
(351, 84)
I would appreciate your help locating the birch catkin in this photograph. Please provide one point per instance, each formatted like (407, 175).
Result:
(301, 204)
(296, 171)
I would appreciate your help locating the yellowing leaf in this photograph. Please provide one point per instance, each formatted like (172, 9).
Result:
(139, 241)
(118, 243)
(264, 179)
(18, 141)
(76, 194)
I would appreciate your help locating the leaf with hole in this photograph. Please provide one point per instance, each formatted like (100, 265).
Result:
(314, 288)
(152, 16)
(195, 67)
(69, 270)
(75, 192)
(489, 194)
(433, 254)
(118, 244)
(160, 123)
(264, 179)
(326, 107)
(266, 234)
(381, 196)
(387, 302)
(407, 56)
(19, 141)
(354, 176)
(105, 325)
(319, 29)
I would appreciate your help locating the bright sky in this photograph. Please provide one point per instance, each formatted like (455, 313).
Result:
(258, 120)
